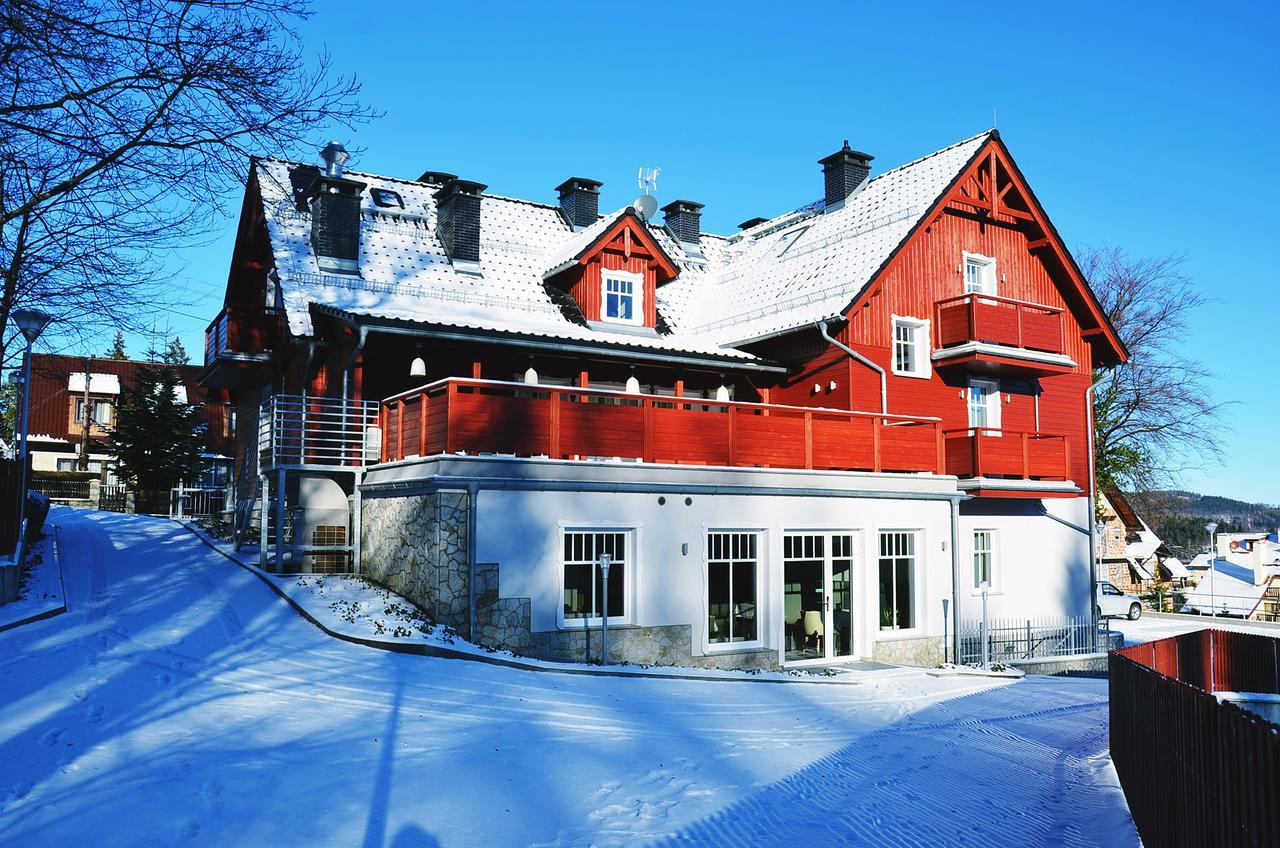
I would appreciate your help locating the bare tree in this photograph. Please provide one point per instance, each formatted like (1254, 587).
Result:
(1155, 417)
(123, 123)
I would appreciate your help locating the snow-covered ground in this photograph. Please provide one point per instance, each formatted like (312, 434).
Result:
(180, 700)
(41, 590)
(1151, 627)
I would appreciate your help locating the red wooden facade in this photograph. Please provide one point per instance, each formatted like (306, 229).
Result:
(624, 246)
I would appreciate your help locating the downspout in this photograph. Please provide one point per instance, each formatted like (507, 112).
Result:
(1089, 520)
(473, 495)
(884, 389)
(955, 580)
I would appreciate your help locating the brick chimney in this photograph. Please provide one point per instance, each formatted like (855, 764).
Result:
(684, 220)
(458, 219)
(335, 215)
(580, 201)
(842, 173)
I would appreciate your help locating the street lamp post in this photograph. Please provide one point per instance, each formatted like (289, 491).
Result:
(1212, 527)
(1099, 554)
(31, 322)
(606, 560)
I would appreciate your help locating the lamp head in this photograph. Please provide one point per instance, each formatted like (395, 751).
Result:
(31, 322)
(418, 368)
(1212, 527)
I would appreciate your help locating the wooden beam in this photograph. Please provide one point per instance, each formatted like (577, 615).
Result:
(1036, 244)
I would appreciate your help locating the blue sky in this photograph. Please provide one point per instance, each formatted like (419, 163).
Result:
(1148, 126)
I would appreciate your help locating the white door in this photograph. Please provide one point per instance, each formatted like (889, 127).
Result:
(984, 404)
(818, 577)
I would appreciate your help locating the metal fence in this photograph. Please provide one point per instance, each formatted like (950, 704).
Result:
(113, 497)
(1027, 638)
(1197, 770)
(196, 501)
(61, 488)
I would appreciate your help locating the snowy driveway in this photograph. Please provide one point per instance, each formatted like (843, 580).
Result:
(180, 702)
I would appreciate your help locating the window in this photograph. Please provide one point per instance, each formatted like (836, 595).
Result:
(910, 347)
(101, 412)
(979, 274)
(386, 198)
(622, 297)
(583, 583)
(787, 239)
(897, 579)
(984, 404)
(731, 587)
(984, 559)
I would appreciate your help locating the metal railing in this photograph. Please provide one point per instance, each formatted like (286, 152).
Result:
(1028, 638)
(307, 430)
(196, 501)
(1196, 769)
(61, 488)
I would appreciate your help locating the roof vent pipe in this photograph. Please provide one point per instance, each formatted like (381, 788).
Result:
(842, 173)
(334, 156)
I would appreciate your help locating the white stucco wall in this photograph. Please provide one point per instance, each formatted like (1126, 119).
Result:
(522, 531)
(1042, 566)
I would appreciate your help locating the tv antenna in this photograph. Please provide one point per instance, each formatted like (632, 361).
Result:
(647, 204)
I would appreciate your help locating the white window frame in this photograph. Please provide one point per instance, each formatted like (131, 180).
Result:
(628, 593)
(708, 646)
(993, 550)
(917, 549)
(989, 280)
(637, 296)
(992, 406)
(922, 367)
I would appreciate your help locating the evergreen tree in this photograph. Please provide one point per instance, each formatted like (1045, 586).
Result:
(156, 439)
(9, 412)
(117, 348)
(175, 354)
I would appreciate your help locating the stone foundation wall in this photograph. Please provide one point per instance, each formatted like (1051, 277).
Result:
(925, 651)
(417, 547)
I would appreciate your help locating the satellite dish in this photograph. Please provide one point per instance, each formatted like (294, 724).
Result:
(646, 205)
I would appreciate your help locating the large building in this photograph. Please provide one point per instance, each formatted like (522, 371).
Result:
(821, 437)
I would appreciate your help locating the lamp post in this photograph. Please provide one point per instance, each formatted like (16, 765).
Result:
(606, 560)
(1099, 552)
(31, 322)
(1211, 528)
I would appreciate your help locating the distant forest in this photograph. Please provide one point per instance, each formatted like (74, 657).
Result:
(1179, 518)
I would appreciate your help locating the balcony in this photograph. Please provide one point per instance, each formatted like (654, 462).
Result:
(1000, 334)
(995, 461)
(305, 431)
(237, 343)
(498, 418)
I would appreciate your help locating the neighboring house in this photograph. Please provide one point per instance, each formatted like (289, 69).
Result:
(58, 418)
(1130, 551)
(1243, 580)
(796, 441)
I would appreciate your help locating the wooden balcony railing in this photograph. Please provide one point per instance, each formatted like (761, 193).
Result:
(998, 320)
(241, 330)
(986, 452)
(491, 417)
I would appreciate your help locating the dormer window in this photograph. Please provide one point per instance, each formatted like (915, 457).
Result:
(979, 274)
(622, 297)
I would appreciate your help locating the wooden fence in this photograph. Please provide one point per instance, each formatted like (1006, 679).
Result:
(1196, 770)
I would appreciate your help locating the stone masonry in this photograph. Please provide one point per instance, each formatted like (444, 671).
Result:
(417, 547)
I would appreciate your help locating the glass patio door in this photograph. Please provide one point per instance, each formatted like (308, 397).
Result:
(817, 596)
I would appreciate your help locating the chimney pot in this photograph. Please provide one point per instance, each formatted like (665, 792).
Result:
(684, 220)
(751, 222)
(458, 219)
(842, 173)
(580, 201)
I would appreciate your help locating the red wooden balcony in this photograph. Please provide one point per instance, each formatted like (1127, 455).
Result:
(984, 452)
(490, 417)
(1000, 331)
(238, 339)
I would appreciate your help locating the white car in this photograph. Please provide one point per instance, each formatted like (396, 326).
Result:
(1112, 603)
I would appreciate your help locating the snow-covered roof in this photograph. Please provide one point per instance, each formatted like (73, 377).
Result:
(1175, 567)
(800, 267)
(1226, 587)
(1200, 562)
(99, 384)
